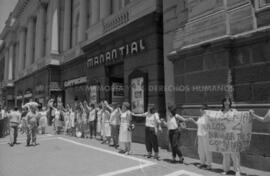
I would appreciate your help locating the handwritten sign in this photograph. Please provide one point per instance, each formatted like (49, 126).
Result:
(229, 132)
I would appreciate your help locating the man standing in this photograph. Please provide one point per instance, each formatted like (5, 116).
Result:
(14, 121)
(115, 122)
(32, 125)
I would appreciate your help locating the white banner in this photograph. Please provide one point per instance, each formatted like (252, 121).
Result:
(229, 132)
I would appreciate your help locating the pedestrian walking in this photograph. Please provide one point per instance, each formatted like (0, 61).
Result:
(125, 123)
(14, 121)
(32, 125)
(204, 154)
(152, 126)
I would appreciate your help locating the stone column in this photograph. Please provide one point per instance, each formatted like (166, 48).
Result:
(83, 20)
(22, 48)
(10, 62)
(6, 64)
(95, 11)
(116, 6)
(30, 42)
(105, 8)
(40, 32)
(67, 25)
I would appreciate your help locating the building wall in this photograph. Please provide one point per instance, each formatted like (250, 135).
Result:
(213, 43)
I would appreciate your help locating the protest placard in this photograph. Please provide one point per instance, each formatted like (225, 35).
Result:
(228, 132)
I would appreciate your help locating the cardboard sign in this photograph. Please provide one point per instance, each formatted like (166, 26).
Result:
(228, 132)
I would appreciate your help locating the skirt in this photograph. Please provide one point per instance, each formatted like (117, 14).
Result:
(124, 134)
(107, 129)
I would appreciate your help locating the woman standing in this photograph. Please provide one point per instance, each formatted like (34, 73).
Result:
(235, 156)
(43, 119)
(204, 155)
(152, 126)
(99, 118)
(72, 122)
(172, 123)
(67, 119)
(58, 119)
(125, 133)
(84, 120)
(106, 117)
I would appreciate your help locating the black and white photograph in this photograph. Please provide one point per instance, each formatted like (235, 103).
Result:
(134, 87)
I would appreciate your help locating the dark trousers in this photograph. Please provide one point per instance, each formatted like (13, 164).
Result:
(13, 132)
(174, 137)
(92, 127)
(151, 140)
(115, 133)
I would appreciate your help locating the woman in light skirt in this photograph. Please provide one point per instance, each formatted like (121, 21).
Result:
(99, 114)
(106, 119)
(125, 132)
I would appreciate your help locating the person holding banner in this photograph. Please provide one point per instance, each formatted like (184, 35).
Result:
(235, 156)
(266, 118)
(204, 154)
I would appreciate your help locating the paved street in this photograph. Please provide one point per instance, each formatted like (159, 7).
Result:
(67, 156)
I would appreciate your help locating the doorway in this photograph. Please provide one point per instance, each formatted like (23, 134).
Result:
(116, 82)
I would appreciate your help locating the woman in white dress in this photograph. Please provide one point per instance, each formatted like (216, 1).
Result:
(58, 119)
(72, 122)
(125, 132)
(106, 119)
(67, 119)
(43, 120)
(99, 114)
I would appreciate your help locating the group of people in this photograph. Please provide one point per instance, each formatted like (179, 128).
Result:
(112, 123)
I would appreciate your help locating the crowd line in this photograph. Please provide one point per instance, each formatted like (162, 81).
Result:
(112, 125)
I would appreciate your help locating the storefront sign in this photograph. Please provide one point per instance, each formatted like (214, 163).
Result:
(116, 53)
(40, 88)
(28, 94)
(9, 97)
(55, 86)
(76, 81)
(230, 132)
(19, 97)
(93, 94)
(117, 90)
(137, 95)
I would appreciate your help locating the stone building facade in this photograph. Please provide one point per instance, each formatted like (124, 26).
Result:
(218, 48)
(49, 46)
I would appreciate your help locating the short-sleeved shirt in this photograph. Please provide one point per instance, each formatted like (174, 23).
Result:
(151, 119)
(92, 115)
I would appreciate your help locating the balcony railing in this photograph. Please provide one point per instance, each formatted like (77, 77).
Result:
(128, 14)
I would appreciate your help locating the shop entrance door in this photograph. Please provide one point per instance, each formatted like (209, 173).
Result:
(116, 81)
